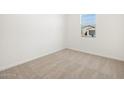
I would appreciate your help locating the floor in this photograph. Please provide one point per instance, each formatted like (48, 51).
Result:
(67, 64)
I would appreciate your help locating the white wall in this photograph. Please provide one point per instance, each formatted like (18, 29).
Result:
(25, 37)
(109, 41)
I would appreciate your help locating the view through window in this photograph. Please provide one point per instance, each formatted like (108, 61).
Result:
(88, 25)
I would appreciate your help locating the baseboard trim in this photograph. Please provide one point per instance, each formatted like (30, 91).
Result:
(97, 54)
(34, 58)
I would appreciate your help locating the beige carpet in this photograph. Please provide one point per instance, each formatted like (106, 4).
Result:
(67, 64)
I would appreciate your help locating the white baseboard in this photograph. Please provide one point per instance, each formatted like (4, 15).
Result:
(27, 60)
(98, 54)
(19, 63)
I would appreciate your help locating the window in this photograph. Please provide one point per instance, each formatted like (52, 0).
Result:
(88, 25)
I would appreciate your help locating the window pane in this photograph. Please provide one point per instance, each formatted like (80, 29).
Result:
(88, 25)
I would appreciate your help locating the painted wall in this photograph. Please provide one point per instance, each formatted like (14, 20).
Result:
(109, 41)
(25, 37)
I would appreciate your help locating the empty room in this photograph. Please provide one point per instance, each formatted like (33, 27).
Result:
(61, 46)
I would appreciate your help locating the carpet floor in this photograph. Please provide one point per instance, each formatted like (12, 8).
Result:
(67, 64)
